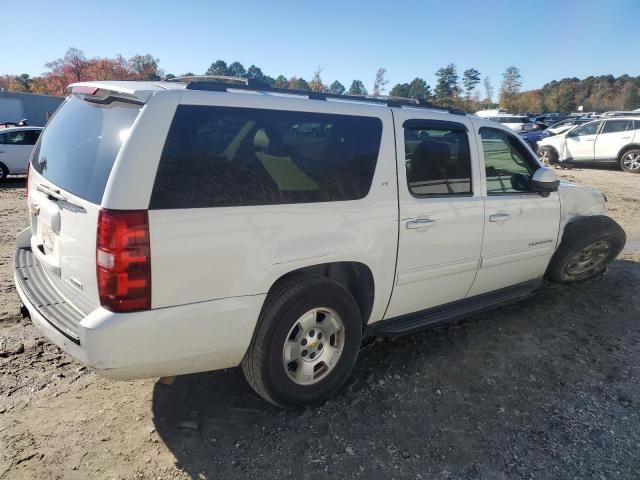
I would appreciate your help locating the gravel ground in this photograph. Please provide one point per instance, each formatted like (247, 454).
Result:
(545, 388)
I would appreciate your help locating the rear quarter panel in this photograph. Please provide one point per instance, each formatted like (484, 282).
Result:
(202, 254)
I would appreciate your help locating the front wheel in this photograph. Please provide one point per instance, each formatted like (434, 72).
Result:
(630, 161)
(548, 156)
(588, 245)
(306, 342)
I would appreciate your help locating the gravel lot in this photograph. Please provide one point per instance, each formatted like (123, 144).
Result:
(546, 388)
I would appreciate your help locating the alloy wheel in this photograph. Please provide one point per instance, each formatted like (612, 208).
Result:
(631, 161)
(313, 346)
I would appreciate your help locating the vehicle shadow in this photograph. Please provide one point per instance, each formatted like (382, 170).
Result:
(11, 183)
(403, 391)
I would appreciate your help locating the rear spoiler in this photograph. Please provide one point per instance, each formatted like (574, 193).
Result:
(104, 96)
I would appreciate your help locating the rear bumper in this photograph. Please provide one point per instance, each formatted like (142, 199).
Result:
(155, 343)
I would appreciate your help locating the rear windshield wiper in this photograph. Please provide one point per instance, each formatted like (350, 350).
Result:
(55, 194)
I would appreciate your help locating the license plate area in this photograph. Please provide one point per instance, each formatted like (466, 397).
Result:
(49, 240)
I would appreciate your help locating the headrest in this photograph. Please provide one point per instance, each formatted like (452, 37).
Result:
(261, 140)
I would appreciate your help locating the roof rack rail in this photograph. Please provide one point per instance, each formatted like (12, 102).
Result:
(221, 83)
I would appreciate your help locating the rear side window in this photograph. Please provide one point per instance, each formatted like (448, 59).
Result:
(77, 149)
(615, 126)
(223, 157)
(437, 157)
(32, 137)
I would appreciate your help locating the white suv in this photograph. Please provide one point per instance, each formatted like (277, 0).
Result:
(608, 141)
(179, 228)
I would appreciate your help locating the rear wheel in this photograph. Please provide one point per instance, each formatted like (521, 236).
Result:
(630, 161)
(4, 172)
(306, 342)
(587, 246)
(547, 155)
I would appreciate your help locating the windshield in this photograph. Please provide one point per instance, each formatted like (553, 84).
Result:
(77, 149)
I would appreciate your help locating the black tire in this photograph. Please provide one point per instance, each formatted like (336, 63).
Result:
(598, 234)
(548, 153)
(4, 171)
(632, 157)
(263, 364)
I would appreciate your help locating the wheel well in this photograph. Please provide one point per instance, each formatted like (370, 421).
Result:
(626, 148)
(356, 277)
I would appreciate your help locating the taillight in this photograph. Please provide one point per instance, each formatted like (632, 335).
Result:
(123, 260)
(28, 172)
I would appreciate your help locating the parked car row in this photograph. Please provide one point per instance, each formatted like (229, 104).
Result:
(608, 138)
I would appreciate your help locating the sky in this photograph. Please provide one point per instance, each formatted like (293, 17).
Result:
(546, 40)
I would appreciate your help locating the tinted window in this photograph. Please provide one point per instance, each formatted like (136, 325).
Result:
(218, 156)
(507, 162)
(16, 138)
(586, 129)
(80, 144)
(32, 137)
(438, 161)
(3, 138)
(614, 126)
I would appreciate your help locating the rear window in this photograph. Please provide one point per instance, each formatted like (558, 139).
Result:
(77, 149)
(223, 157)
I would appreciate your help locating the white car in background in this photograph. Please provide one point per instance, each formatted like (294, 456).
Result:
(518, 123)
(614, 140)
(16, 144)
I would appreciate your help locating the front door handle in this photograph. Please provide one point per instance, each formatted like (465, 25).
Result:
(590, 140)
(420, 224)
(499, 217)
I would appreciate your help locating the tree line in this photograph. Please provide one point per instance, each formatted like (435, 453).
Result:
(470, 91)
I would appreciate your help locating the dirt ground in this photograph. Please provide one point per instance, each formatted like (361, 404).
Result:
(546, 388)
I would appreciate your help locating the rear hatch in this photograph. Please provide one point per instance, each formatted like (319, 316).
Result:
(70, 167)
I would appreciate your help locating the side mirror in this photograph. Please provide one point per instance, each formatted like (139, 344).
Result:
(544, 181)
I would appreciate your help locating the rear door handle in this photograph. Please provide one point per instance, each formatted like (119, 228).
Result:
(499, 217)
(420, 224)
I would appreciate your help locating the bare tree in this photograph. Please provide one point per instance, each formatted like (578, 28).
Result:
(316, 84)
(488, 89)
(380, 82)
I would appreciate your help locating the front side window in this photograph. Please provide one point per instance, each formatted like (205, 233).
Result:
(508, 165)
(224, 157)
(615, 126)
(16, 138)
(586, 129)
(438, 160)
